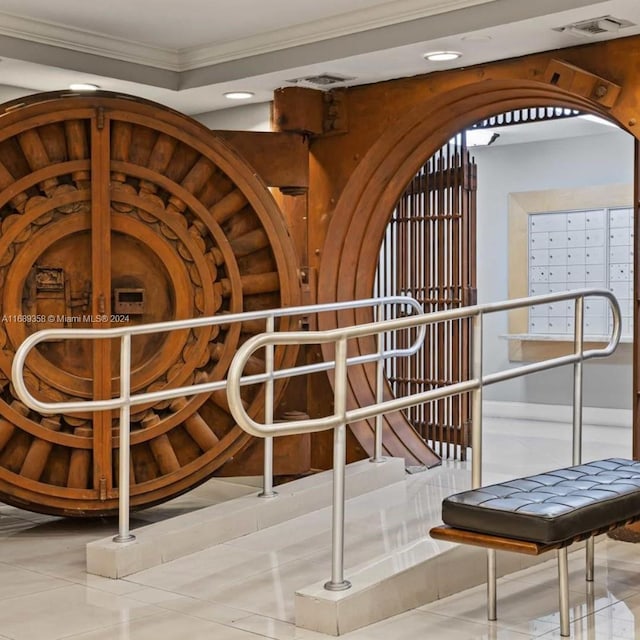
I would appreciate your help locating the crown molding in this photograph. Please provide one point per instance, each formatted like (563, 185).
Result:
(57, 35)
(90, 42)
(390, 13)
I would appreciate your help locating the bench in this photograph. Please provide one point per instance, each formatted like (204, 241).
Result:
(547, 511)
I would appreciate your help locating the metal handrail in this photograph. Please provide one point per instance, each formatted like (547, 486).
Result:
(342, 416)
(126, 400)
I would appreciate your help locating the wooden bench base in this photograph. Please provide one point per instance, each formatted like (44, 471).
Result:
(462, 536)
(493, 543)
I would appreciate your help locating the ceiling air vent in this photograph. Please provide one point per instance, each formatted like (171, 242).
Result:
(595, 26)
(324, 80)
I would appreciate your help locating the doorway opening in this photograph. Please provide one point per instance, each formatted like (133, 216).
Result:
(536, 167)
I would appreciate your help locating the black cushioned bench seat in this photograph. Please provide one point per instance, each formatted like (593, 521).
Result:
(552, 507)
(535, 514)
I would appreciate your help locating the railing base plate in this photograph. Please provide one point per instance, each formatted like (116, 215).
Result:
(337, 586)
(119, 538)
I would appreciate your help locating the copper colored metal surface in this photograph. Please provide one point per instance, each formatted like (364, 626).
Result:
(427, 253)
(117, 211)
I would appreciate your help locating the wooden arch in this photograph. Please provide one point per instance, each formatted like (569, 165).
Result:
(357, 226)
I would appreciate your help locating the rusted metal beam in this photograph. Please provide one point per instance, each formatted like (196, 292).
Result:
(583, 83)
(281, 159)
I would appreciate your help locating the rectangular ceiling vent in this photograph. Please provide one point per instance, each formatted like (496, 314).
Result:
(322, 81)
(596, 26)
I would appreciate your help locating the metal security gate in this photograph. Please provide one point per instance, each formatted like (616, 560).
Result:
(429, 252)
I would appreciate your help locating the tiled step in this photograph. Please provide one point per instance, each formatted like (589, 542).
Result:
(164, 541)
(419, 573)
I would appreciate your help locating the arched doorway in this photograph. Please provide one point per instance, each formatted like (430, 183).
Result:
(357, 227)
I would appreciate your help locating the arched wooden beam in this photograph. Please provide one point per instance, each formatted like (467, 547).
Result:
(355, 232)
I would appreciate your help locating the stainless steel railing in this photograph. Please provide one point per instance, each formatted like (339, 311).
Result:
(125, 400)
(343, 415)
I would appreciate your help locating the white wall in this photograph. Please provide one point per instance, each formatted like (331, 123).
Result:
(566, 163)
(249, 117)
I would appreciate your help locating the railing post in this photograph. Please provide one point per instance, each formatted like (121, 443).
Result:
(337, 582)
(476, 401)
(377, 451)
(124, 535)
(577, 380)
(476, 448)
(267, 480)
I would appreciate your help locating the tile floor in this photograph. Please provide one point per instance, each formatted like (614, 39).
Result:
(243, 590)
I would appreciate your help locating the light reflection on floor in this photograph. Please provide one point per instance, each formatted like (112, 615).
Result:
(243, 590)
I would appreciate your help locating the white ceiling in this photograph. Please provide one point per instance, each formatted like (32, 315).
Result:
(553, 130)
(186, 54)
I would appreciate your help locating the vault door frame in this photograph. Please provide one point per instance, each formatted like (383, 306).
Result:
(348, 268)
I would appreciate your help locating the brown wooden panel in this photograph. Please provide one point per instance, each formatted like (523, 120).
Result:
(572, 78)
(291, 456)
(298, 109)
(281, 159)
(461, 536)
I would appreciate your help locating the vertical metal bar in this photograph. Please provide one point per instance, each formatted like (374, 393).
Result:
(401, 265)
(422, 293)
(337, 582)
(636, 305)
(577, 381)
(563, 591)
(410, 261)
(492, 585)
(392, 257)
(476, 402)
(377, 452)
(267, 480)
(440, 288)
(468, 279)
(456, 291)
(433, 295)
(590, 553)
(124, 535)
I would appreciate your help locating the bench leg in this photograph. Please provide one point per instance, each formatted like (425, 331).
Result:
(590, 551)
(563, 589)
(491, 585)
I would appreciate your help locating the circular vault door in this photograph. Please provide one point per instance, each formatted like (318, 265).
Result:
(118, 212)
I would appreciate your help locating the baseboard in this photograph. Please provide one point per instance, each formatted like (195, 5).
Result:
(556, 413)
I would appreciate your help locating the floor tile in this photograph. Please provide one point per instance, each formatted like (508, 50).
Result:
(167, 626)
(276, 629)
(15, 581)
(269, 593)
(244, 589)
(208, 571)
(523, 607)
(419, 624)
(613, 577)
(194, 607)
(66, 611)
(616, 550)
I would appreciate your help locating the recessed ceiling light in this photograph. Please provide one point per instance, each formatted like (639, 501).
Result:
(239, 95)
(442, 56)
(83, 86)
